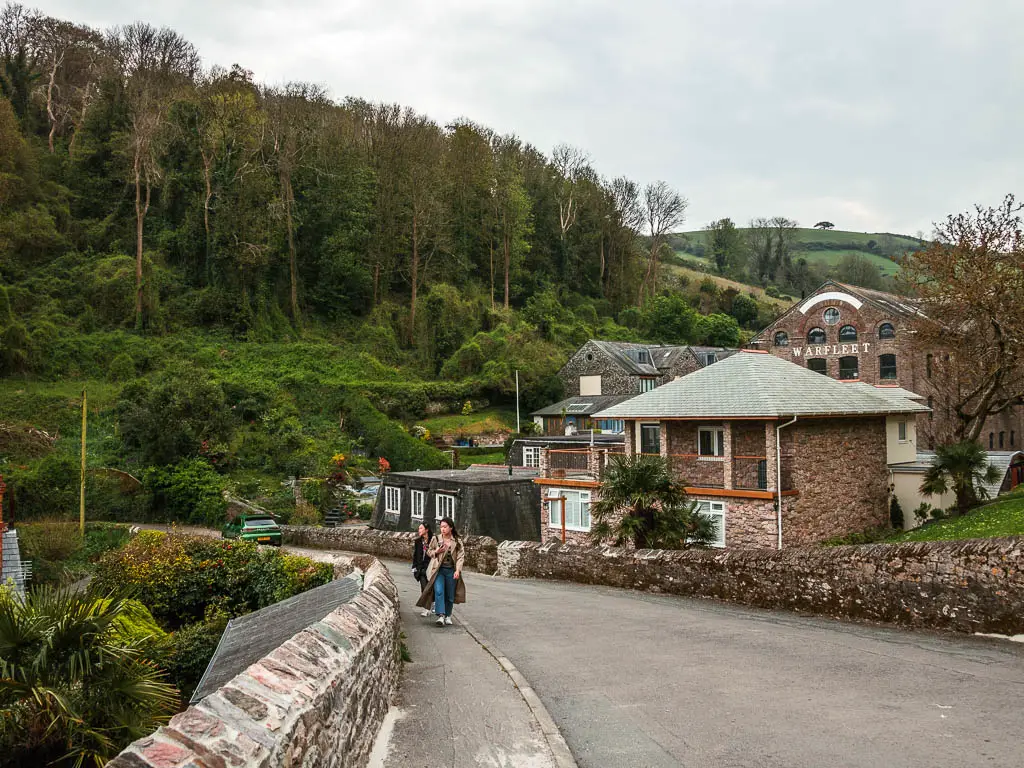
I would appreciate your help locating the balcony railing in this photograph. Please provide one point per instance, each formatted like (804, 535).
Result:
(564, 463)
(750, 473)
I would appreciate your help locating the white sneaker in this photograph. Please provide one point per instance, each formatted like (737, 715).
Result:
(426, 612)
(448, 620)
(440, 621)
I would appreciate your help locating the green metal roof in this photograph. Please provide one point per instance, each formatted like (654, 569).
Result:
(759, 385)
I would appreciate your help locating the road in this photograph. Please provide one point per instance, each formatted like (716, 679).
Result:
(634, 679)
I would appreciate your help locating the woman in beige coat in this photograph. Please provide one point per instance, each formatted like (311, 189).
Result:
(445, 585)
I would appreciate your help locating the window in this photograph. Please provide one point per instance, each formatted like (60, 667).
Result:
(590, 385)
(612, 425)
(646, 385)
(781, 339)
(991, 440)
(928, 365)
(392, 499)
(931, 405)
(887, 366)
(848, 367)
(711, 441)
(643, 356)
(1002, 438)
(818, 365)
(650, 438)
(830, 316)
(578, 407)
(816, 336)
(847, 333)
(444, 506)
(715, 510)
(710, 358)
(418, 499)
(577, 509)
(886, 331)
(902, 431)
(531, 456)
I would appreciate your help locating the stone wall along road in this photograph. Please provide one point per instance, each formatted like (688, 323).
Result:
(963, 586)
(318, 700)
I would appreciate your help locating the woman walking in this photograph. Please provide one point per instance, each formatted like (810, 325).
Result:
(420, 558)
(444, 578)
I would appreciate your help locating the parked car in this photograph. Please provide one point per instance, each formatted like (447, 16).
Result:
(262, 529)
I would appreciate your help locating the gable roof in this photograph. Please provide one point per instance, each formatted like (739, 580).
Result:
(890, 303)
(758, 385)
(581, 405)
(662, 356)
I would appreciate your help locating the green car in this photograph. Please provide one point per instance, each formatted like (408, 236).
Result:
(262, 529)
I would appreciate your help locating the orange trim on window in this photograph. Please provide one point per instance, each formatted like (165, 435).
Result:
(566, 483)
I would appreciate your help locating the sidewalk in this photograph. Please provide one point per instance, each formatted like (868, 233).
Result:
(456, 706)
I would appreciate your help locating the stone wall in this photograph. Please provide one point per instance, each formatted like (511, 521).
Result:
(317, 700)
(966, 586)
(481, 551)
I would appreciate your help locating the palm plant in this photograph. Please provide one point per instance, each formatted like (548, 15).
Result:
(74, 687)
(962, 467)
(641, 504)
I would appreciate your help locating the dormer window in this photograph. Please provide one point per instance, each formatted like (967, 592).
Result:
(643, 356)
(816, 336)
(710, 358)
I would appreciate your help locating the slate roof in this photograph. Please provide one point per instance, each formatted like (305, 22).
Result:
(594, 404)
(663, 356)
(478, 474)
(249, 638)
(757, 385)
(581, 438)
(896, 393)
(10, 554)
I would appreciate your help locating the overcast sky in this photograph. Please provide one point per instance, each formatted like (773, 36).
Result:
(878, 115)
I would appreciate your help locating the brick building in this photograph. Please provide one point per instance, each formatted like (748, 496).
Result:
(857, 334)
(748, 436)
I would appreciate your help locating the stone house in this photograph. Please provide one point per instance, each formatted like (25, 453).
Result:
(526, 452)
(778, 455)
(482, 500)
(857, 334)
(604, 369)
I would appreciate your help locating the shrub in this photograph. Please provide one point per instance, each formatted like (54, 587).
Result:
(895, 514)
(382, 437)
(191, 649)
(122, 368)
(191, 492)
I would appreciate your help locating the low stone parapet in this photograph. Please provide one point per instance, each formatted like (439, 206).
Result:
(317, 700)
(963, 586)
(481, 551)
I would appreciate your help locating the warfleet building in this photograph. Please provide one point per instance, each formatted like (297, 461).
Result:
(856, 334)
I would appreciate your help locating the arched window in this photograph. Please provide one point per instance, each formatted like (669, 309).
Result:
(848, 367)
(991, 440)
(886, 331)
(818, 365)
(887, 366)
(781, 339)
(816, 336)
(847, 333)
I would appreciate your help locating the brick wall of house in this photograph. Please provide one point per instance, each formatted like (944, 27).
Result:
(916, 585)
(318, 699)
(839, 468)
(614, 380)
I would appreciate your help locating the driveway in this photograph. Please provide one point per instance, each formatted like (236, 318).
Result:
(634, 679)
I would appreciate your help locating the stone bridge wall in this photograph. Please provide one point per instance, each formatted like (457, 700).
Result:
(317, 700)
(964, 586)
(481, 551)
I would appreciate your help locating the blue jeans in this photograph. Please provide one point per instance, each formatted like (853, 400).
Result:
(444, 591)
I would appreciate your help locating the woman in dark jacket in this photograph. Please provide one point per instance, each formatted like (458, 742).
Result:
(421, 560)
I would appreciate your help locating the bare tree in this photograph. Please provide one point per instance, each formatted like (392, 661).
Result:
(154, 65)
(664, 210)
(569, 163)
(970, 285)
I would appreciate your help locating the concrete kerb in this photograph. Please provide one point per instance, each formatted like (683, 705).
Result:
(556, 742)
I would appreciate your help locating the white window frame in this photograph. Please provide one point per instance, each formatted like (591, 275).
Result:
(418, 502)
(640, 435)
(575, 520)
(648, 385)
(444, 500)
(532, 451)
(392, 498)
(710, 357)
(717, 509)
(902, 432)
(718, 444)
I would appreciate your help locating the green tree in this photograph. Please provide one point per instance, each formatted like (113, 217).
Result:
(858, 270)
(642, 504)
(669, 319)
(75, 684)
(727, 246)
(963, 468)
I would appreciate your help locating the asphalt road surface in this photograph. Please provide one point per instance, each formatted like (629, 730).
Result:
(634, 679)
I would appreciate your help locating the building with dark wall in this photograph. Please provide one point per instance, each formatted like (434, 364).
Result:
(857, 334)
(483, 501)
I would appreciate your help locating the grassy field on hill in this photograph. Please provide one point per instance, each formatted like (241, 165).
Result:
(1003, 517)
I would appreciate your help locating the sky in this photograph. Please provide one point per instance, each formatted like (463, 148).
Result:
(879, 116)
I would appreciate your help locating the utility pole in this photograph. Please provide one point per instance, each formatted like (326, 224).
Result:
(81, 496)
(517, 402)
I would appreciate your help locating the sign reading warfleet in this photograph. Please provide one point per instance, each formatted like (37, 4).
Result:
(832, 349)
